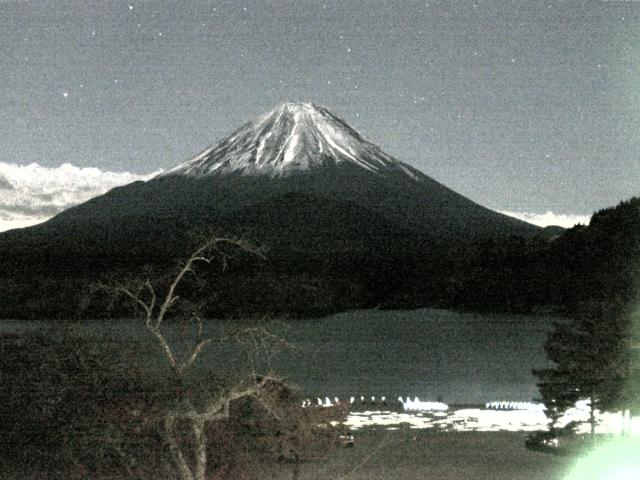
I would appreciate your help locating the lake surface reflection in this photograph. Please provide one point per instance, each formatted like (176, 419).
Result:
(459, 358)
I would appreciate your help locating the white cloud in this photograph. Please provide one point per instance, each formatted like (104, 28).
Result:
(549, 218)
(20, 223)
(32, 193)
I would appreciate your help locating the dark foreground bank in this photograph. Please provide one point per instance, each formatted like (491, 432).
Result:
(421, 454)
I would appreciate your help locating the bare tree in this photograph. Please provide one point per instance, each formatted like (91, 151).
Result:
(155, 306)
(190, 458)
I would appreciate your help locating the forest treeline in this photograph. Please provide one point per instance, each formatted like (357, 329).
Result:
(587, 264)
(299, 276)
(590, 275)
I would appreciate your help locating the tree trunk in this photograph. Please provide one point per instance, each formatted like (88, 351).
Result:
(626, 423)
(200, 449)
(592, 418)
(181, 465)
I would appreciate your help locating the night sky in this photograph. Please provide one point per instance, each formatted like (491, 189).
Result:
(529, 106)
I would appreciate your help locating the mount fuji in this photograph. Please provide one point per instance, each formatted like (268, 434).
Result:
(338, 215)
(301, 148)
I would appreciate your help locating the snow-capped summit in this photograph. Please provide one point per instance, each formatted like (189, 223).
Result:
(292, 138)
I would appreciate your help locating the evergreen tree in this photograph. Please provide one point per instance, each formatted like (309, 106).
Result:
(556, 394)
(591, 352)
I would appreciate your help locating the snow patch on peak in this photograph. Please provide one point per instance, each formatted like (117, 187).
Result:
(290, 146)
(294, 107)
(292, 138)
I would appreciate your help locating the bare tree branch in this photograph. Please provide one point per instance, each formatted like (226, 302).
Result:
(136, 298)
(194, 354)
(166, 348)
(145, 297)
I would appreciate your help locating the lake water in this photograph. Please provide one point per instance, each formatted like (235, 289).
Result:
(456, 357)
(460, 358)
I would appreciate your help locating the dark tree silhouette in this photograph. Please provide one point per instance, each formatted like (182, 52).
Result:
(591, 352)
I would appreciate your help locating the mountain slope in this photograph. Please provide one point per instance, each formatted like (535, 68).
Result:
(304, 148)
(329, 205)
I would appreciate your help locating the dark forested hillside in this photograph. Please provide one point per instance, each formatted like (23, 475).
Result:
(595, 263)
(341, 256)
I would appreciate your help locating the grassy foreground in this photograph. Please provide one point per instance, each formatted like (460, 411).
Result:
(422, 454)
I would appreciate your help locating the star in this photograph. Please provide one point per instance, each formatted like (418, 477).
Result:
(130, 7)
(65, 94)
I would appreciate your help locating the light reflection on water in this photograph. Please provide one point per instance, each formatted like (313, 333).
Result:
(487, 420)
